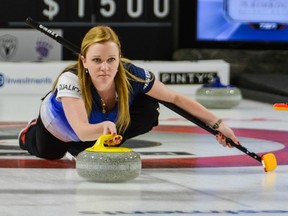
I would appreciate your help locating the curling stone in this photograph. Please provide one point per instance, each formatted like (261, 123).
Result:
(218, 96)
(102, 163)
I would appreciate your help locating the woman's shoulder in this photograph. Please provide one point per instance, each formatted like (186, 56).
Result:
(70, 74)
(133, 68)
(68, 78)
(128, 65)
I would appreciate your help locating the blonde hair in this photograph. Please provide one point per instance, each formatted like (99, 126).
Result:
(101, 34)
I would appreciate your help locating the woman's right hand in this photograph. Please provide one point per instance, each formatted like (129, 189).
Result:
(109, 127)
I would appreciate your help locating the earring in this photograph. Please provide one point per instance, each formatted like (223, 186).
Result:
(86, 70)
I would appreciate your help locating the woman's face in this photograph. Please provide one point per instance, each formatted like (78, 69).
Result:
(102, 61)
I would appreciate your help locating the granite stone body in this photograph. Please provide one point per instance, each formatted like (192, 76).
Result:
(108, 166)
(219, 98)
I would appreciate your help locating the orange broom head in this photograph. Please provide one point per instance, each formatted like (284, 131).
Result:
(281, 106)
(269, 162)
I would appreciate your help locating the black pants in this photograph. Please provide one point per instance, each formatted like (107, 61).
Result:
(39, 142)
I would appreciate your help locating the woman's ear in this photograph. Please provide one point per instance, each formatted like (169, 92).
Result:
(83, 59)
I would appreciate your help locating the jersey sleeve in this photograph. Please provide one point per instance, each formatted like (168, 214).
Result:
(68, 86)
(147, 76)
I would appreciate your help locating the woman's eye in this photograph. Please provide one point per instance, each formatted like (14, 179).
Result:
(97, 60)
(111, 59)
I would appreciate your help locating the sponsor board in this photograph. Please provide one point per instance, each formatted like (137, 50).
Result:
(28, 45)
(187, 76)
(37, 78)
(23, 78)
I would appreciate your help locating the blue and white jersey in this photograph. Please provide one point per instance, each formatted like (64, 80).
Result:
(52, 113)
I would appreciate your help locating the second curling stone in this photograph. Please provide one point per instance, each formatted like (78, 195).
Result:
(218, 96)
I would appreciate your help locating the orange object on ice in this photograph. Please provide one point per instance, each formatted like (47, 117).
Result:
(269, 162)
(281, 106)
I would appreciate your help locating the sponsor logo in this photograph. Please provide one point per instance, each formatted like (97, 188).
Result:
(4, 80)
(8, 45)
(48, 31)
(1, 79)
(184, 78)
(43, 48)
(190, 212)
(147, 78)
(68, 87)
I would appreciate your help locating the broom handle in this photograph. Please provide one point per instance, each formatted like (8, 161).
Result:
(204, 126)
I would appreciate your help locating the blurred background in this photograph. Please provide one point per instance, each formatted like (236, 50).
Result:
(154, 29)
(251, 36)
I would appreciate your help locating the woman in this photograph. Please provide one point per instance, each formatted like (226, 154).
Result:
(103, 93)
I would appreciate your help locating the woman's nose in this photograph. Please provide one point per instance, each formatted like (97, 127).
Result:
(104, 65)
